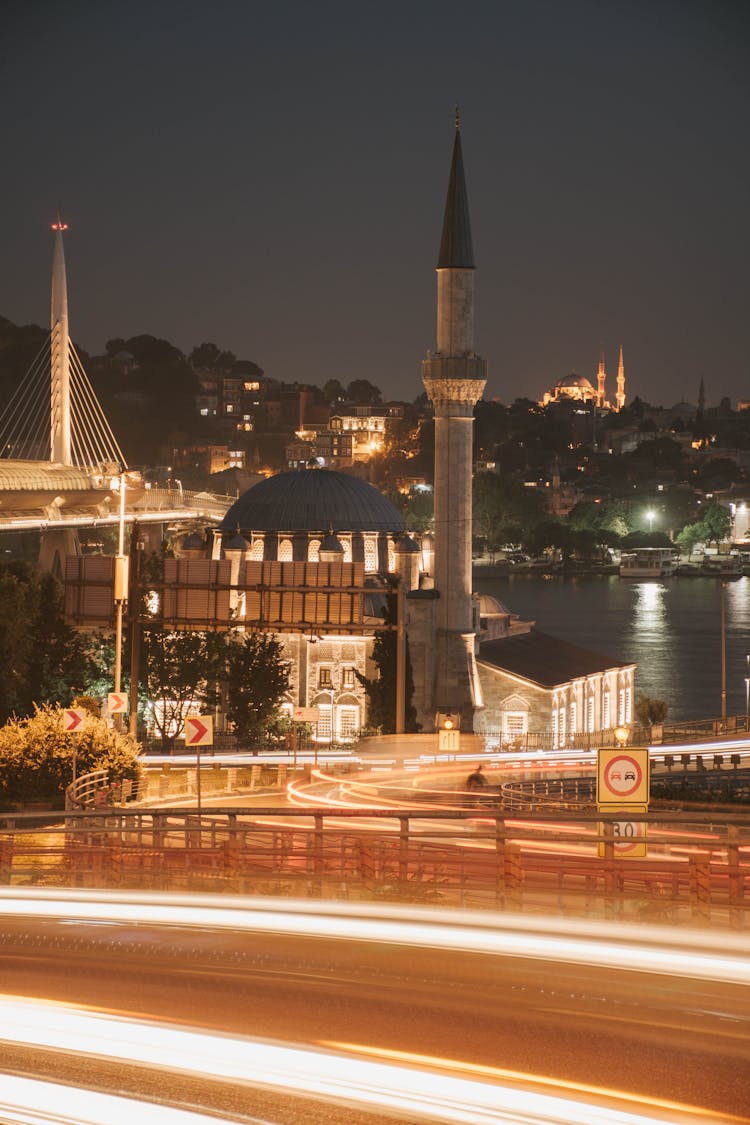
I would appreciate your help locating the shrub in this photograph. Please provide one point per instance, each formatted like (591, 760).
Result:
(36, 756)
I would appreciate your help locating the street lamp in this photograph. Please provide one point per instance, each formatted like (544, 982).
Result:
(650, 516)
(120, 590)
(747, 700)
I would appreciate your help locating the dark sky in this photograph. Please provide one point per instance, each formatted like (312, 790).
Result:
(271, 176)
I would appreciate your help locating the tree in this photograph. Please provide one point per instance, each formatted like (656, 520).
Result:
(716, 522)
(182, 671)
(36, 756)
(42, 660)
(256, 677)
(362, 390)
(333, 391)
(648, 710)
(381, 689)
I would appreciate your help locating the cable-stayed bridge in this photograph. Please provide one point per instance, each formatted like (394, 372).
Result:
(61, 467)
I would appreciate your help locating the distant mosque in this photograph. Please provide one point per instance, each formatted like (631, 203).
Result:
(577, 388)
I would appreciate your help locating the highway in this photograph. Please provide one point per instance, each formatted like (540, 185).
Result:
(283, 1011)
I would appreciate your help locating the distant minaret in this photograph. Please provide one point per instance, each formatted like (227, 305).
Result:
(601, 379)
(620, 396)
(701, 398)
(454, 377)
(59, 355)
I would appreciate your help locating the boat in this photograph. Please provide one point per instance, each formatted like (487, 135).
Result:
(723, 566)
(648, 562)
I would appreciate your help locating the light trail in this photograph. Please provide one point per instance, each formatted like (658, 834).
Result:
(431, 1094)
(28, 1101)
(717, 957)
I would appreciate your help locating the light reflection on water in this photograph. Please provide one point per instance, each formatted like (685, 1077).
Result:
(671, 629)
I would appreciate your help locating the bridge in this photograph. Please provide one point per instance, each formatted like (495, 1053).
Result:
(61, 468)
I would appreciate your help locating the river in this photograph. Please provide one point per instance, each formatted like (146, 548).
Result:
(670, 628)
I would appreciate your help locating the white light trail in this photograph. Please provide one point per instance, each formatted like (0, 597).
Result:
(330, 1075)
(720, 957)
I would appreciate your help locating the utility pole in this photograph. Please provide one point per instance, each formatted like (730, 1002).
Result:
(134, 603)
(400, 658)
(723, 653)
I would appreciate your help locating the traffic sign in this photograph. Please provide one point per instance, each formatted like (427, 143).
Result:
(199, 730)
(74, 719)
(629, 835)
(306, 714)
(622, 776)
(117, 703)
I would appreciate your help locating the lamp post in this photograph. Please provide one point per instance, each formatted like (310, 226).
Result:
(120, 592)
(747, 700)
(650, 516)
(723, 653)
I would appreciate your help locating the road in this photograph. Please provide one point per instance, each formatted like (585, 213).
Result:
(458, 1016)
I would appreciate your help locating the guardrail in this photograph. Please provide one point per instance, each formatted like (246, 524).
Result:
(697, 868)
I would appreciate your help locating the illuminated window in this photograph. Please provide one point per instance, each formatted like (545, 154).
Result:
(256, 551)
(313, 550)
(590, 713)
(347, 678)
(285, 550)
(348, 723)
(325, 678)
(606, 721)
(323, 726)
(371, 555)
(628, 706)
(621, 707)
(514, 724)
(562, 732)
(573, 717)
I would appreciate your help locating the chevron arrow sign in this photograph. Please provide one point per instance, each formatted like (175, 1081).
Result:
(199, 730)
(74, 718)
(117, 702)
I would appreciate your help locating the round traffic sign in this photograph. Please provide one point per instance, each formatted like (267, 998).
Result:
(622, 775)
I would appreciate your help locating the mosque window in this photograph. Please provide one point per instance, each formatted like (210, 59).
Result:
(573, 717)
(256, 551)
(628, 705)
(313, 551)
(347, 677)
(346, 543)
(348, 723)
(285, 550)
(621, 707)
(391, 558)
(554, 728)
(323, 727)
(561, 732)
(371, 554)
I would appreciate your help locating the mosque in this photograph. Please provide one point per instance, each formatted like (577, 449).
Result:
(577, 388)
(312, 554)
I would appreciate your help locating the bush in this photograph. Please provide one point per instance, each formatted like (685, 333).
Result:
(36, 756)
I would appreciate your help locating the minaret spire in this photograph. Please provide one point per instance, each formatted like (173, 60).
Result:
(620, 396)
(59, 354)
(456, 251)
(601, 380)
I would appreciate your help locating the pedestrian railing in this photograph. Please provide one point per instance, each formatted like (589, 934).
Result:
(696, 868)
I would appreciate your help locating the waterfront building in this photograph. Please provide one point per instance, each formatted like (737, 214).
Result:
(537, 684)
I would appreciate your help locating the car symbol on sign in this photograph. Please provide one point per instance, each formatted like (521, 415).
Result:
(630, 776)
(615, 775)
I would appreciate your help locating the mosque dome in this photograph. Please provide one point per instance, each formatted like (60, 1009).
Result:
(312, 500)
(491, 607)
(573, 380)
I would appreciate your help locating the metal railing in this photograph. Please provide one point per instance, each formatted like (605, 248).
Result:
(697, 868)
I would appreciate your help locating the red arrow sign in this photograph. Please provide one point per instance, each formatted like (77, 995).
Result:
(74, 718)
(117, 702)
(199, 730)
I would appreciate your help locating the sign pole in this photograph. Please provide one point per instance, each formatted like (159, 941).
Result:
(198, 776)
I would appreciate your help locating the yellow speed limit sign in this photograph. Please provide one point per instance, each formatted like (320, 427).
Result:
(628, 836)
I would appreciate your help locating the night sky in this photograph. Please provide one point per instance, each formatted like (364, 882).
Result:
(271, 177)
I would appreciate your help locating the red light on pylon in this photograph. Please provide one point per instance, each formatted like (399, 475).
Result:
(59, 225)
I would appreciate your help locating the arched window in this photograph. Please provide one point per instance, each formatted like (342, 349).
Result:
(256, 551)
(346, 543)
(313, 550)
(285, 550)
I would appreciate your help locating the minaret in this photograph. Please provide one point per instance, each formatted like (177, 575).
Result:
(620, 396)
(601, 379)
(59, 355)
(701, 398)
(454, 377)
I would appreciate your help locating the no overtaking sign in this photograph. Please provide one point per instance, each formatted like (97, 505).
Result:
(622, 776)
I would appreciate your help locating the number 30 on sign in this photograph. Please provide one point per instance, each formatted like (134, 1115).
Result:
(629, 836)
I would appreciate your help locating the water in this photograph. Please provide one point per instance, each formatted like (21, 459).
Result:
(670, 628)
